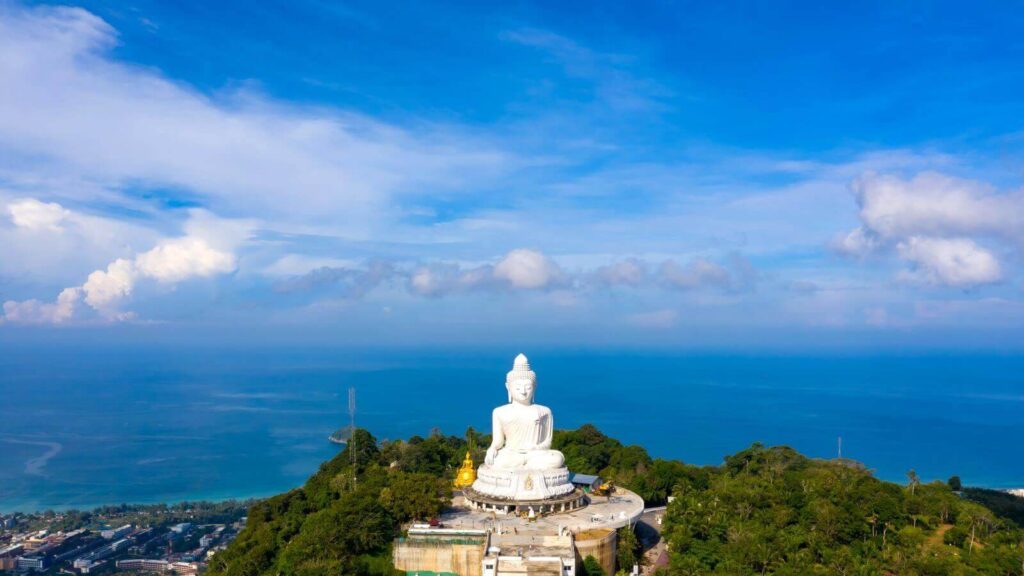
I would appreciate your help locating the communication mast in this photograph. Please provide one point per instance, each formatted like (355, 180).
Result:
(352, 431)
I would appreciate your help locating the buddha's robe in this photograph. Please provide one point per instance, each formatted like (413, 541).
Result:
(523, 435)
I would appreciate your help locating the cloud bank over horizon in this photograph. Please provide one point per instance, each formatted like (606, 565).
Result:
(582, 194)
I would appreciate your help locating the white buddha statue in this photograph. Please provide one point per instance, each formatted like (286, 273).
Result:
(520, 464)
(522, 430)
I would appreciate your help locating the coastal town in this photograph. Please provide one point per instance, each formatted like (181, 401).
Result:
(129, 539)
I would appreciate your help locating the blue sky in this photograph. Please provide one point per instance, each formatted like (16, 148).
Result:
(705, 174)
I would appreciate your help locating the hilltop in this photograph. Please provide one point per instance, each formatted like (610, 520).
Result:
(765, 510)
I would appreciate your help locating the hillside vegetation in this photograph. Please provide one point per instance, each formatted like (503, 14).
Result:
(773, 511)
(763, 511)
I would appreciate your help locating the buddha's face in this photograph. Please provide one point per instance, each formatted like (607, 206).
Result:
(520, 391)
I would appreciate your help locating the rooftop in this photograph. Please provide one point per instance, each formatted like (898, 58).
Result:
(614, 511)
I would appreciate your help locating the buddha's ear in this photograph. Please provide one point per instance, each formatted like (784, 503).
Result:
(508, 389)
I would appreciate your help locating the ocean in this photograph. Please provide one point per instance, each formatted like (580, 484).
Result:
(81, 427)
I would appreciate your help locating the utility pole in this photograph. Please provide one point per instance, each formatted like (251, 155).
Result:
(352, 431)
(840, 447)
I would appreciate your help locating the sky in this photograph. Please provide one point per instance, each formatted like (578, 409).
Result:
(706, 174)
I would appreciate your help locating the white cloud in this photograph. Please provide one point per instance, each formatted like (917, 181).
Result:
(36, 312)
(858, 242)
(73, 110)
(932, 204)
(435, 279)
(934, 222)
(49, 244)
(35, 215)
(953, 262)
(170, 261)
(523, 268)
(180, 258)
(519, 269)
(104, 288)
(442, 278)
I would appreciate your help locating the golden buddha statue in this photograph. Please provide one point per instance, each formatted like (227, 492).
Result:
(467, 474)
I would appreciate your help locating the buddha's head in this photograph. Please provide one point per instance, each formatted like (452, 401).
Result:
(521, 382)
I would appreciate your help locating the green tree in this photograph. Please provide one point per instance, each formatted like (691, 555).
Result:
(766, 510)
(411, 496)
(591, 567)
(629, 549)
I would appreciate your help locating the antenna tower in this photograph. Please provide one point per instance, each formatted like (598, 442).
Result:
(352, 430)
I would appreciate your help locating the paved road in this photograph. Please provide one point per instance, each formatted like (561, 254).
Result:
(648, 530)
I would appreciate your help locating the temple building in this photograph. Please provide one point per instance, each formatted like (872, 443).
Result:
(522, 511)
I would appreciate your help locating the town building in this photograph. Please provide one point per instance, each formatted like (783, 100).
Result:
(143, 565)
(32, 563)
(184, 568)
(116, 533)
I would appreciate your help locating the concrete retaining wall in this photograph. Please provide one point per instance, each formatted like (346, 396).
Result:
(602, 544)
(454, 558)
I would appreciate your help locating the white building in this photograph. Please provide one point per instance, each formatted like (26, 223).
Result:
(116, 533)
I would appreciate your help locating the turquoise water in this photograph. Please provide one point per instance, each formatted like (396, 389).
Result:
(86, 427)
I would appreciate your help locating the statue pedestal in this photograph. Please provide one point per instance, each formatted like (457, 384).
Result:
(521, 485)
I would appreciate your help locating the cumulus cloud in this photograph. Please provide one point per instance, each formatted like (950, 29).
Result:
(50, 244)
(180, 258)
(937, 224)
(169, 262)
(932, 204)
(35, 215)
(103, 288)
(36, 312)
(523, 268)
(953, 262)
(519, 269)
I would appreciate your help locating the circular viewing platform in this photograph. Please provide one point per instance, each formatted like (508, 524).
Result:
(567, 503)
(615, 511)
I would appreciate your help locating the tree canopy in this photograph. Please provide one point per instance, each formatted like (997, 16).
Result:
(770, 510)
(764, 510)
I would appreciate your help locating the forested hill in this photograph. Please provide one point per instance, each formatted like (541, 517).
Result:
(773, 511)
(763, 511)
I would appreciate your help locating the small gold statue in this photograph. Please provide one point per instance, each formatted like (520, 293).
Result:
(467, 474)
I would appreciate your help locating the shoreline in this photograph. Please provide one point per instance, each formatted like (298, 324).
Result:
(31, 510)
(217, 499)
